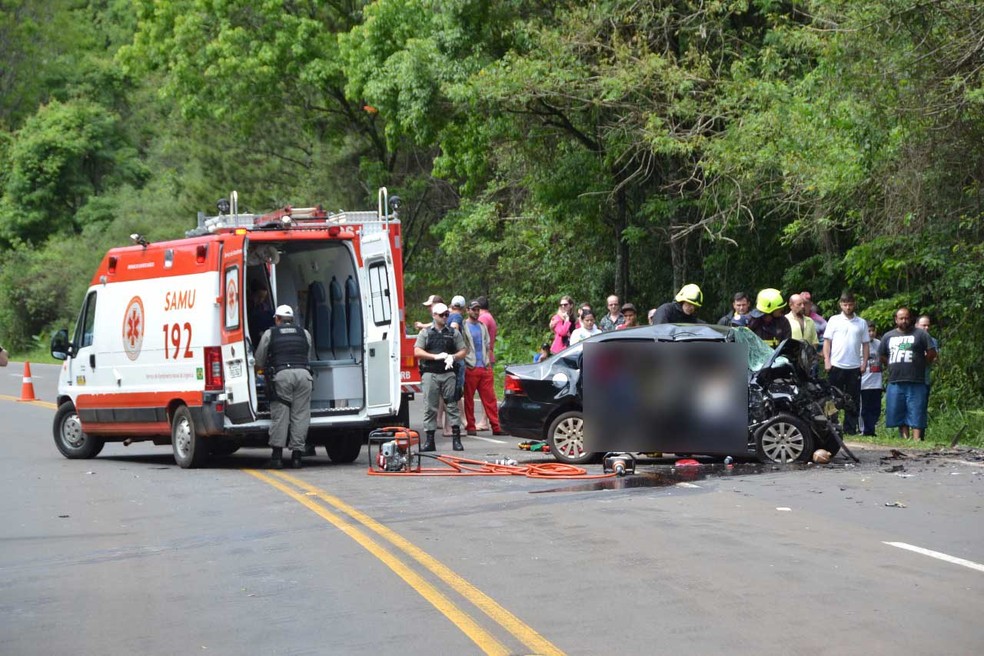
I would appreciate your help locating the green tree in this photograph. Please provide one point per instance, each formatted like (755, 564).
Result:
(62, 156)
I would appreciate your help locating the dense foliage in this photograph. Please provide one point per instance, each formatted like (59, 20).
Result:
(541, 148)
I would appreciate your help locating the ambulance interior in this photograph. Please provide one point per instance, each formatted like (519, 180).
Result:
(319, 281)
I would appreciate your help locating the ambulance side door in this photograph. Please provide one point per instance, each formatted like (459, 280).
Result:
(382, 325)
(240, 377)
(83, 360)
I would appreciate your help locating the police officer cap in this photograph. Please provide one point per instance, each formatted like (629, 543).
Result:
(439, 308)
(285, 311)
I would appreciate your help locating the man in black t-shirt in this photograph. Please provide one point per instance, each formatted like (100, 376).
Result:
(905, 352)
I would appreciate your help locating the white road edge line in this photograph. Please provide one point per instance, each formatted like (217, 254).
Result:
(936, 554)
(487, 439)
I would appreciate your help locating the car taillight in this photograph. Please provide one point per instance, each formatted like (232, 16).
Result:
(213, 369)
(513, 385)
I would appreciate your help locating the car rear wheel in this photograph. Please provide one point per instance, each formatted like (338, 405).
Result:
(566, 439)
(344, 449)
(784, 439)
(69, 438)
(190, 450)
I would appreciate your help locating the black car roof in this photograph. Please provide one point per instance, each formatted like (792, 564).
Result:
(665, 332)
(672, 332)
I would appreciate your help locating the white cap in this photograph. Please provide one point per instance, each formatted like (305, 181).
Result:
(432, 299)
(458, 301)
(285, 311)
(439, 308)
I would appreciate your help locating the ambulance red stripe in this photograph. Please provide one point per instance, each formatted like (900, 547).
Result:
(125, 428)
(137, 400)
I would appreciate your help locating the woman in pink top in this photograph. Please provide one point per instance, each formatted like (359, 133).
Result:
(561, 325)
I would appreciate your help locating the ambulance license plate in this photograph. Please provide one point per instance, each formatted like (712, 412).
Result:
(235, 369)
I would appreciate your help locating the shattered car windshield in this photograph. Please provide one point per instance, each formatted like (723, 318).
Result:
(758, 351)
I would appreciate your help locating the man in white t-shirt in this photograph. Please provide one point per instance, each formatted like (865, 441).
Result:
(846, 345)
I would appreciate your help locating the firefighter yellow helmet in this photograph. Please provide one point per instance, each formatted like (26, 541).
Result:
(769, 300)
(691, 294)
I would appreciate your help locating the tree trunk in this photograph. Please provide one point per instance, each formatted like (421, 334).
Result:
(621, 248)
(678, 259)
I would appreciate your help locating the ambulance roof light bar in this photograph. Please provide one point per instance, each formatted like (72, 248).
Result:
(230, 218)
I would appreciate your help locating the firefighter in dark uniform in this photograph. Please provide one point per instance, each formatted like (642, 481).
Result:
(284, 352)
(683, 307)
(767, 319)
(438, 347)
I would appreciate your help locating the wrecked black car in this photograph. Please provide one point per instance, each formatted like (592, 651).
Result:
(791, 412)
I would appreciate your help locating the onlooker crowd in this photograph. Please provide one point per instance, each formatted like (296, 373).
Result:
(847, 345)
(852, 355)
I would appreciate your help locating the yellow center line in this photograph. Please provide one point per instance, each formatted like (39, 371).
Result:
(485, 640)
(524, 633)
(43, 404)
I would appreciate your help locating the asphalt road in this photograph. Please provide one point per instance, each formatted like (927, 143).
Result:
(127, 553)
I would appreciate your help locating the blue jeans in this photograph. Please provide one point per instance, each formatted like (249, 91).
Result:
(905, 405)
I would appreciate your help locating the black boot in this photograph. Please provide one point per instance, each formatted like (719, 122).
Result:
(429, 442)
(276, 458)
(295, 459)
(456, 438)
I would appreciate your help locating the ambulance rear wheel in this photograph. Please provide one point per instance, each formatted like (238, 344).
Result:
(190, 450)
(345, 448)
(70, 439)
(222, 448)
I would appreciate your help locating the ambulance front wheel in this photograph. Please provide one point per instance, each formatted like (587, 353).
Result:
(70, 439)
(190, 450)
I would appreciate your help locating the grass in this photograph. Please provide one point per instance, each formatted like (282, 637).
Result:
(37, 355)
(943, 427)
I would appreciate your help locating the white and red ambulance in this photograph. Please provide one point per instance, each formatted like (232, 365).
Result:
(163, 347)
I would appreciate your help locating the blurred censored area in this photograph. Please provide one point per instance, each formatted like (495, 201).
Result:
(674, 397)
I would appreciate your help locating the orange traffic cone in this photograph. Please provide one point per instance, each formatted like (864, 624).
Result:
(27, 387)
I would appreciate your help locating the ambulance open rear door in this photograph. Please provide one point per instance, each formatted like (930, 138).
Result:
(382, 323)
(240, 386)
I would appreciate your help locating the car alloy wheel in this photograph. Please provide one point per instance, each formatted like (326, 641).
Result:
(566, 438)
(784, 439)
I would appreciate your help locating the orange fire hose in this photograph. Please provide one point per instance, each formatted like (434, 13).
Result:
(458, 466)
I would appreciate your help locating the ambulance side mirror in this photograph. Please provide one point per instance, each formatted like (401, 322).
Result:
(60, 346)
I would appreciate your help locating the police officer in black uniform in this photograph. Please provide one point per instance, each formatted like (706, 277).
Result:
(285, 352)
(438, 347)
